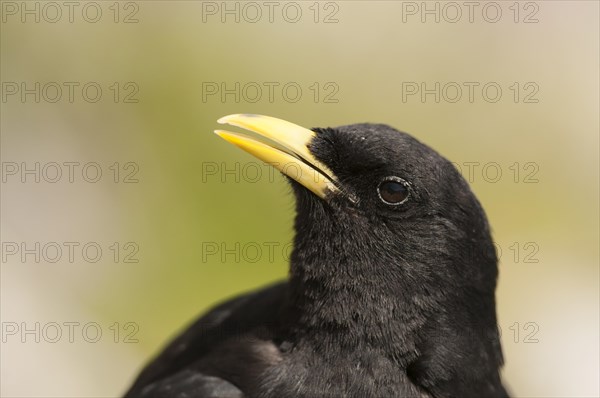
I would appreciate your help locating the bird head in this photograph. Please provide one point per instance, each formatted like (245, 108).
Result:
(389, 236)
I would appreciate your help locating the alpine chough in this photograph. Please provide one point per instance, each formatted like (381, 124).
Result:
(391, 289)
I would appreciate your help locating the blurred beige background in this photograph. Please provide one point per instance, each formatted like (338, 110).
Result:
(168, 198)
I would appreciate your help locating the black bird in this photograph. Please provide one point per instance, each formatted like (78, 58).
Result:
(391, 284)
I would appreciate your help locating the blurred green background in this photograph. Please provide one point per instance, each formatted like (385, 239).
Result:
(169, 55)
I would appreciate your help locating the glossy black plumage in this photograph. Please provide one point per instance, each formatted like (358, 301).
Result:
(382, 300)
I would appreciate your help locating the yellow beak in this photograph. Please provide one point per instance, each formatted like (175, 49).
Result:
(292, 158)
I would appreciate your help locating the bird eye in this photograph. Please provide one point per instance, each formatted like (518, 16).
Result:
(393, 191)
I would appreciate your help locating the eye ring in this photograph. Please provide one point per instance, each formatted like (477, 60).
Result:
(393, 190)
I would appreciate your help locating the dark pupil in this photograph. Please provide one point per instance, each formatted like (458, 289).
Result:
(393, 192)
